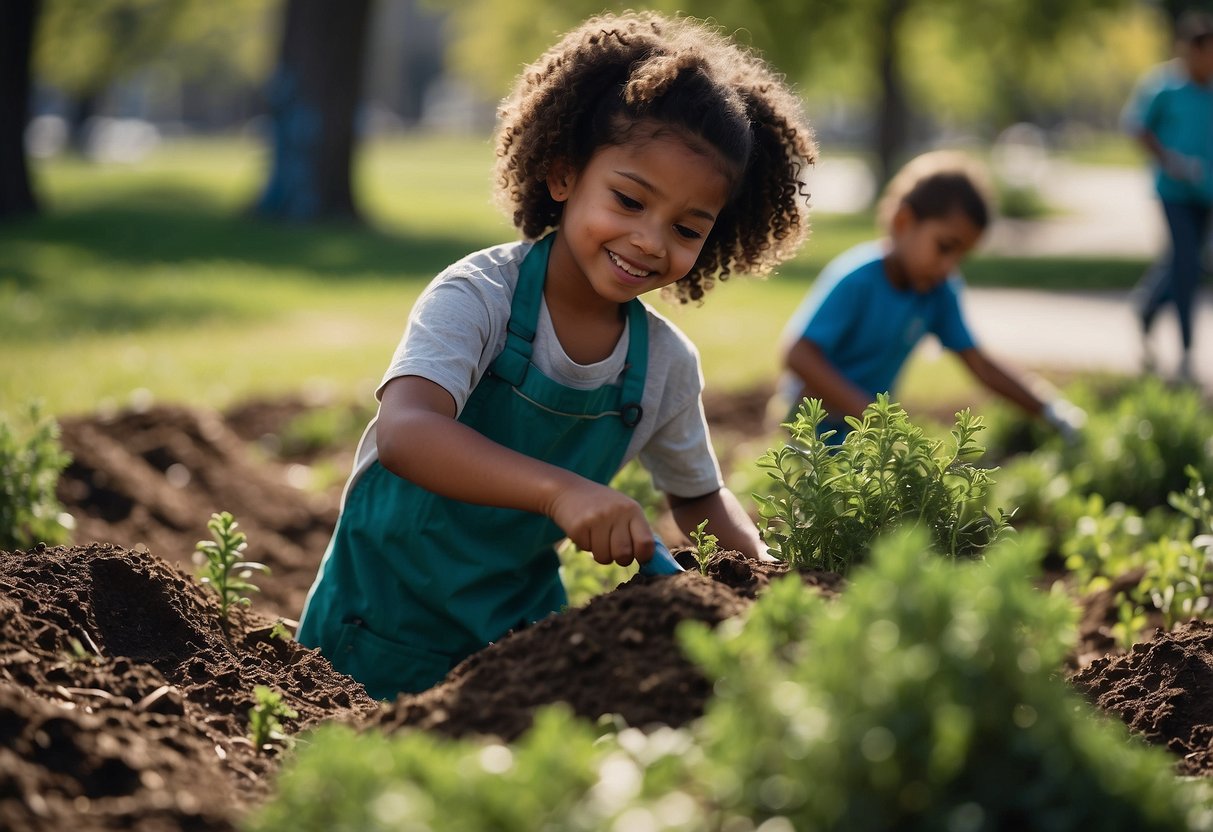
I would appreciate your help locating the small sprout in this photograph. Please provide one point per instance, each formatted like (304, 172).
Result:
(281, 631)
(223, 570)
(706, 545)
(265, 717)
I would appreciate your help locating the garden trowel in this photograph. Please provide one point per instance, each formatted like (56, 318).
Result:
(662, 562)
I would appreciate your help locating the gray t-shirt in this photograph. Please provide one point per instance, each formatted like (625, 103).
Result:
(458, 326)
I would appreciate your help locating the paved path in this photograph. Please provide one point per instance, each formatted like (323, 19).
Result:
(1101, 212)
(1082, 331)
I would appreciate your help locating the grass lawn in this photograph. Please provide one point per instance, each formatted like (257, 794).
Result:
(152, 281)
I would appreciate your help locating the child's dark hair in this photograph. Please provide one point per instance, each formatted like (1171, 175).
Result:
(1194, 27)
(617, 79)
(936, 185)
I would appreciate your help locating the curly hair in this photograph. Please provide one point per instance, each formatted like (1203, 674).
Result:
(621, 78)
(937, 184)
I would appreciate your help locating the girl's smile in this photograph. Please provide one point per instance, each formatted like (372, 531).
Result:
(635, 219)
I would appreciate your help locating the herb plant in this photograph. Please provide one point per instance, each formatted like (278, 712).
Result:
(30, 466)
(909, 703)
(706, 545)
(828, 503)
(265, 717)
(1171, 551)
(223, 569)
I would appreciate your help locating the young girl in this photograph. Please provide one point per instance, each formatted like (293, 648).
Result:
(638, 153)
(872, 304)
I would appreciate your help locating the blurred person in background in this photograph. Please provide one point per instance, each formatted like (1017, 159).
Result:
(872, 304)
(1171, 115)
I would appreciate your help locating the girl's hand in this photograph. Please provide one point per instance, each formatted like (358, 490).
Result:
(604, 522)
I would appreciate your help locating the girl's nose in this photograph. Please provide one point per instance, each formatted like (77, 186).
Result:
(649, 240)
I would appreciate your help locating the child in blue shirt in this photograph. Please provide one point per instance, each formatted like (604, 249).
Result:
(871, 305)
(1171, 116)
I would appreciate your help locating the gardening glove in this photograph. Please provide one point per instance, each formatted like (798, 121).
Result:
(1066, 418)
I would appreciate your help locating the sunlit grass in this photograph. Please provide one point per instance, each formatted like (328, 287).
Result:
(153, 279)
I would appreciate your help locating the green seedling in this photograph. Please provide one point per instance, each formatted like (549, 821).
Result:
(30, 465)
(706, 545)
(223, 570)
(280, 631)
(265, 717)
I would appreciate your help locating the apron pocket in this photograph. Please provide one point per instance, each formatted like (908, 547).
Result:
(384, 666)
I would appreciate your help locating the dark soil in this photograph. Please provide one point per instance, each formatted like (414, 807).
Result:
(124, 699)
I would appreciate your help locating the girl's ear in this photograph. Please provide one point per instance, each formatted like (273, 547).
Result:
(560, 180)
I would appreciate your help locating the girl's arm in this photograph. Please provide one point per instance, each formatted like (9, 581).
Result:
(726, 519)
(420, 440)
(823, 381)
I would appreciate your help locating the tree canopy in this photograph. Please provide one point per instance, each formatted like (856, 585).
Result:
(987, 62)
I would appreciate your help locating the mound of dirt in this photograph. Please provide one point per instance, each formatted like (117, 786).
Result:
(155, 477)
(1161, 689)
(124, 700)
(617, 655)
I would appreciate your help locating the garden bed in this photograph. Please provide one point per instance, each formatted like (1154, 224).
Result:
(124, 702)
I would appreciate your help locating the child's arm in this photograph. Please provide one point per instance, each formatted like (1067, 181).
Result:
(822, 380)
(726, 519)
(1066, 418)
(420, 440)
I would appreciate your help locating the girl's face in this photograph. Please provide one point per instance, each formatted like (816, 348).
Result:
(635, 217)
(925, 251)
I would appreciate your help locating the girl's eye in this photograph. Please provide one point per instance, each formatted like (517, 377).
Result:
(627, 201)
(687, 233)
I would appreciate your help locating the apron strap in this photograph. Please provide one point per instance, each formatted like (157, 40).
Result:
(512, 364)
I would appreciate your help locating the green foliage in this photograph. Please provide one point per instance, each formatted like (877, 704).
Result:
(1171, 552)
(1022, 202)
(829, 502)
(30, 464)
(914, 702)
(1136, 451)
(372, 783)
(223, 569)
(83, 48)
(265, 717)
(925, 698)
(706, 545)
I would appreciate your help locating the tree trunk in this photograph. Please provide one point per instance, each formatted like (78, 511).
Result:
(892, 125)
(313, 97)
(16, 42)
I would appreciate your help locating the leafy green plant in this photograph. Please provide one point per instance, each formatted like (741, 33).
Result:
(706, 545)
(30, 466)
(223, 568)
(829, 502)
(908, 703)
(1172, 551)
(912, 700)
(265, 717)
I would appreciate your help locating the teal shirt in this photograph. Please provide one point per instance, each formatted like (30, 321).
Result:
(1179, 112)
(866, 327)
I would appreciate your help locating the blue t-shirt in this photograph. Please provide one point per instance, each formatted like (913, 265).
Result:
(866, 327)
(1179, 112)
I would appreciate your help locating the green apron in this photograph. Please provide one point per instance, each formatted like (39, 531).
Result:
(413, 583)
